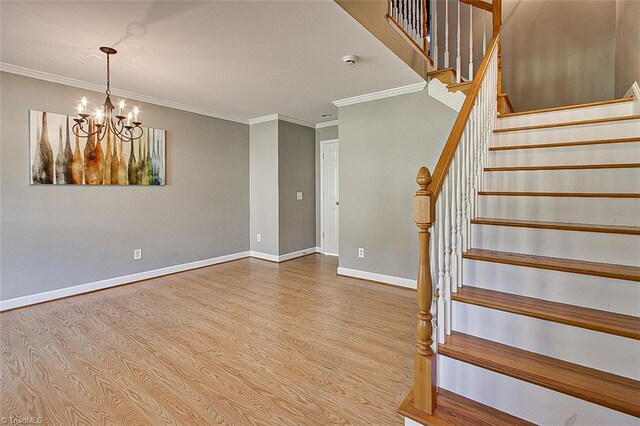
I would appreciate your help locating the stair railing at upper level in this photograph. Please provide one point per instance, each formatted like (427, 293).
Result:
(432, 26)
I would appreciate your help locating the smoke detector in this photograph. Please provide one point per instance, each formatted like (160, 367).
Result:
(350, 59)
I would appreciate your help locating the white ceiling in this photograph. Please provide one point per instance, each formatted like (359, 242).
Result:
(240, 59)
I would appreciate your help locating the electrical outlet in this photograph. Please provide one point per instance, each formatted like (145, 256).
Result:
(361, 253)
(299, 196)
(137, 254)
(258, 237)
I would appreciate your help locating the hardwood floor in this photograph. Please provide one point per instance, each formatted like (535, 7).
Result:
(242, 343)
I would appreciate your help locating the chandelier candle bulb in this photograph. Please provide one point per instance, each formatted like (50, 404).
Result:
(136, 111)
(121, 107)
(84, 102)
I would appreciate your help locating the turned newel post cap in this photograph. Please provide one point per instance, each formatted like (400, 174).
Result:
(423, 180)
(422, 209)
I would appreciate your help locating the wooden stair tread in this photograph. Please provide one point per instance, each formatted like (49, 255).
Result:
(568, 123)
(562, 194)
(565, 226)
(562, 108)
(599, 387)
(608, 270)
(563, 167)
(564, 144)
(577, 316)
(453, 409)
(463, 85)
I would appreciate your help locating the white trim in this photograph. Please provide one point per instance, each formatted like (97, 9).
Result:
(439, 91)
(372, 276)
(322, 143)
(634, 91)
(318, 249)
(264, 256)
(282, 257)
(295, 254)
(46, 296)
(54, 78)
(327, 124)
(272, 117)
(263, 119)
(417, 87)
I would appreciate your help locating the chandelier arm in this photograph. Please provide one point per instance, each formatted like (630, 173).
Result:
(79, 130)
(133, 132)
(122, 133)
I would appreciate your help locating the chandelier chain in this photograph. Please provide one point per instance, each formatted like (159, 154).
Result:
(108, 75)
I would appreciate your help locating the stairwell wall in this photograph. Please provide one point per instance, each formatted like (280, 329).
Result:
(558, 52)
(627, 45)
(383, 143)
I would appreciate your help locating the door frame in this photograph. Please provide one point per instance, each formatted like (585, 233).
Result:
(322, 144)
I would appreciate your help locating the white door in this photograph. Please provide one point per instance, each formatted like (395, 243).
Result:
(330, 197)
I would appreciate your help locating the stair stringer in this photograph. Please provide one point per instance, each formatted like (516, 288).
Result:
(439, 91)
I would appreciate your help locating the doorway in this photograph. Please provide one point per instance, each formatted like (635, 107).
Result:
(330, 199)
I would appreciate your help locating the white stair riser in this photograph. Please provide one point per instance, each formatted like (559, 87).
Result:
(577, 114)
(609, 211)
(525, 400)
(568, 180)
(613, 153)
(607, 294)
(609, 130)
(573, 344)
(592, 246)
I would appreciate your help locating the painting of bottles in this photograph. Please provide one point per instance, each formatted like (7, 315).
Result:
(59, 157)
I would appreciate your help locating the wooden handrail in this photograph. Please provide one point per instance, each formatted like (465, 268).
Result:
(479, 4)
(444, 162)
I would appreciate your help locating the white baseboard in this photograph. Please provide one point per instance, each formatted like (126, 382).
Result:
(283, 257)
(264, 256)
(387, 279)
(46, 296)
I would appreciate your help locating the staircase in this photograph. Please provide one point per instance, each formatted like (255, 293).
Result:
(544, 322)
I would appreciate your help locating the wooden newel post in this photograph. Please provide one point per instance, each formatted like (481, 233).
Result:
(424, 386)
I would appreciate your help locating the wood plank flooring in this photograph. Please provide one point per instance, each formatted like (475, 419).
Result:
(247, 342)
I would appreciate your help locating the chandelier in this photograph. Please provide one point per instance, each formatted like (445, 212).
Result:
(127, 127)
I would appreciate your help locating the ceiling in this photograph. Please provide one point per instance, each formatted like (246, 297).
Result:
(238, 59)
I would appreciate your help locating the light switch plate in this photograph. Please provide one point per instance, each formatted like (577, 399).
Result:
(299, 195)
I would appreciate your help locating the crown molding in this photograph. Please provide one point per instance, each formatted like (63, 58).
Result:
(281, 117)
(403, 90)
(54, 78)
(327, 124)
(263, 119)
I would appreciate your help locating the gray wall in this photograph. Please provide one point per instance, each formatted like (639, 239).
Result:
(264, 187)
(322, 134)
(296, 172)
(558, 52)
(627, 63)
(55, 237)
(383, 143)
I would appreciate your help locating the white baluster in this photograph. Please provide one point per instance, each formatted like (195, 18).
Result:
(446, 33)
(453, 177)
(470, 42)
(466, 186)
(434, 32)
(441, 255)
(459, 207)
(484, 32)
(458, 60)
(446, 218)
